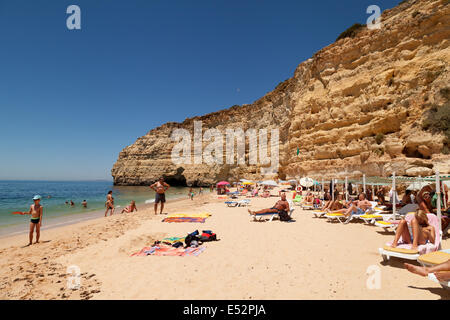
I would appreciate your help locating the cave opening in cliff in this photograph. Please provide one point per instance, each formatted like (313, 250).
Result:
(413, 153)
(178, 179)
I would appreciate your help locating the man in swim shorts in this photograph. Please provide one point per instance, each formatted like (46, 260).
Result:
(160, 188)
(36, 211)
(281, 206)
(359, 207)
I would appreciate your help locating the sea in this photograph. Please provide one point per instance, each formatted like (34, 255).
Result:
(17, 196)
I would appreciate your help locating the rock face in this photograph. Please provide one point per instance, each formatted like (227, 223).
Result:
(357, 106)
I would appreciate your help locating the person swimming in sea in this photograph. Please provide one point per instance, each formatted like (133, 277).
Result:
(36, 211)
(84, 204)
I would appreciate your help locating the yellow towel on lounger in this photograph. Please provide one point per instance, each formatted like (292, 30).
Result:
(384, 223)
(401, 250)
(335, 214)
(370, 216)
(434, 258)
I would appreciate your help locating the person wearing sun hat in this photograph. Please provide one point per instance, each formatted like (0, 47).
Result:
(36, 211)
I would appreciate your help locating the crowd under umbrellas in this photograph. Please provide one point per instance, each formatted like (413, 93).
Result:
(368, 185)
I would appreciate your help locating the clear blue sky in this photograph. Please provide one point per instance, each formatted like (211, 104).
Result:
(70, 101)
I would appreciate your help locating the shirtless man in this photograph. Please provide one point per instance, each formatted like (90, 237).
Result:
(36, 211)
(422, 232)
(359, 207)
(160, 188)
(281, 205)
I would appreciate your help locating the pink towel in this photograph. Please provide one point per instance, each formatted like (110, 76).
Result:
(424, 248)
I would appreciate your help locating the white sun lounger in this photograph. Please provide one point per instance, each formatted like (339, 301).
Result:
(240, 203)
(409, 254)
(444, 284)
(273, 214)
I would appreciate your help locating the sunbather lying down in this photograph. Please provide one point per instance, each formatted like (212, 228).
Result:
(422, 231)
(441, 271)
(281, 205)
(358, 207)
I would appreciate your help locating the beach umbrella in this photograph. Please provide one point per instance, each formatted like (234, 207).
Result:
(306, 182)
(223, 183)
(416, 185)
(269, 183)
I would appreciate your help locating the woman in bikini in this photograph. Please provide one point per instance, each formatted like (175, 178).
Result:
(130, 208)
(109, 204)
(422, 231)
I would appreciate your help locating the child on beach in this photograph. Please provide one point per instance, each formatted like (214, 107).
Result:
(191, 194)
(36, 211)
(130, 208)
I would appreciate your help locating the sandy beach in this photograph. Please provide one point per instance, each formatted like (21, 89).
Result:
(306, 259)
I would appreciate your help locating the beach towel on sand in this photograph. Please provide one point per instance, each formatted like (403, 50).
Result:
(184, 219)
(187, 217)
(166, 250)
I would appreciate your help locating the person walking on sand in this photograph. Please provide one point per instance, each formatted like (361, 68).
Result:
(36, 211)
(109, 203)
(160, 188)
(191, 194)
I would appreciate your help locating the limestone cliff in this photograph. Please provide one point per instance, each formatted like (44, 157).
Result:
(373, 103)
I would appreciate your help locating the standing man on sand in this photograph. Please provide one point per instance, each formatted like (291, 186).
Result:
(160, 188)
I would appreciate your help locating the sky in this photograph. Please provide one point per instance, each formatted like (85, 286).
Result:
(71, 100)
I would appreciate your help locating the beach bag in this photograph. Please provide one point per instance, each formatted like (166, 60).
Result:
(284, 216)
(191, 237)
(208, 236)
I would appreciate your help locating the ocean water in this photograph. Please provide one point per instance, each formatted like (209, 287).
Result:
(17, 196)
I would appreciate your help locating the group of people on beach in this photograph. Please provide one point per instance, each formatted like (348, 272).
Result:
(421, 230)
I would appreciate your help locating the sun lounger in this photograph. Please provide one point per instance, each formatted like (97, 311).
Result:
(260, 216)
(404, 251)
(318, 213)
(444, 284)
(341, 217)
(434, 258)
(240, 203)
(307, 206)
(370, 218)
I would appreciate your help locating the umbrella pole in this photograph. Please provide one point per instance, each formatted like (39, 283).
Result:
(364, 184)
(332, 189)
(393, 196)
(438, 205)
(346, 189)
